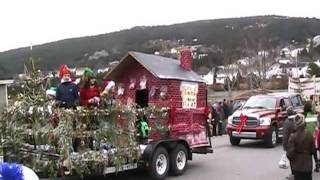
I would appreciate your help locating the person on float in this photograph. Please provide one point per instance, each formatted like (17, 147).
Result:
(67, 94)
(108, 94)
(89, 91)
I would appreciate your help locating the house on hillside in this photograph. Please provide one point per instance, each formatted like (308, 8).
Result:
(278, 70)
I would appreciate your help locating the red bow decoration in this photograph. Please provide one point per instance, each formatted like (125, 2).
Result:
(243, 120)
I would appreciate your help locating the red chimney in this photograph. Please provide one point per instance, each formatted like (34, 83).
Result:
(186, 58)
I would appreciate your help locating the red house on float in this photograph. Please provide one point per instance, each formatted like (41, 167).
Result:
(149, 80)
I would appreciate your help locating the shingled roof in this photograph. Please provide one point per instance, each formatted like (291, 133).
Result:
(161, 67)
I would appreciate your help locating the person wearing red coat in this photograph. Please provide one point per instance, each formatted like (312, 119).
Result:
(89, 92)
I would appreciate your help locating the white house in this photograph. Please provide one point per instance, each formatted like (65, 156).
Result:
(291, 69)
(275, 70)
(285, 52)
(208, 78)
(316, 41)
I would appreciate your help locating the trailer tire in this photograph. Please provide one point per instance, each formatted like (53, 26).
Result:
(159, 165)
(179, 160)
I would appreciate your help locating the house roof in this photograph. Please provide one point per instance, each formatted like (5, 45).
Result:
(161, 67)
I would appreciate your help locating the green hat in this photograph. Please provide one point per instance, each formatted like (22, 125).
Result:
(88, 72)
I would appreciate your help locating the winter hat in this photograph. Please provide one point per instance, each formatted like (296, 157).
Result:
(88, 73)
(299, 120)
(110, 85)
(63, 70)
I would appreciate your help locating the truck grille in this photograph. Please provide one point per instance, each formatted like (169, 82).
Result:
(251, 122)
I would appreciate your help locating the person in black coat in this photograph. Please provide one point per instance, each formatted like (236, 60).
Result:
(67, 95)
(288, 127)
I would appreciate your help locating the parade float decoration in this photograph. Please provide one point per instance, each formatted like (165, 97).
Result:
(58, 142)
(147, 99)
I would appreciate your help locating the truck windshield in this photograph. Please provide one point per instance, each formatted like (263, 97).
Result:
(260, 102)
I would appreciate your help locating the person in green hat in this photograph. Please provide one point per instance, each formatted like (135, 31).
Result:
(89, 91)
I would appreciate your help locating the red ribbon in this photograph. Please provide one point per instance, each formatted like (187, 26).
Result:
(243, 120)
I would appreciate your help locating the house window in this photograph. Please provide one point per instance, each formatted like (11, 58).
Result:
(142, 98)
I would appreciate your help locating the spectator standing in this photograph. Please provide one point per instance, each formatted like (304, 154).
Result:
(300, 150)
(221, 119)
(288, 129)
(216, 119)
(226, 112)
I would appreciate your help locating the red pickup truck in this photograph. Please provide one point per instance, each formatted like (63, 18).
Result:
(262, 117)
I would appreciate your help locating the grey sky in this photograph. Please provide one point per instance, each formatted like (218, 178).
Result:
(41, 21)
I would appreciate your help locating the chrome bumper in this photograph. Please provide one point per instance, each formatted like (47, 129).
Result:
(244, 134)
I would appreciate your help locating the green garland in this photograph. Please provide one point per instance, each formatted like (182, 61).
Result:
(41, 136)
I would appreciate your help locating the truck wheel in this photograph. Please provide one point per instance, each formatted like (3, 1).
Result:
(159, 165)
(272, 137)
(179, 160)
(234, 141)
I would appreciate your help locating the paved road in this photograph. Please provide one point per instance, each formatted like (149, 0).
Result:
(249, 161)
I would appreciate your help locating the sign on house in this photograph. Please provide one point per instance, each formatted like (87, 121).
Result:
(189, 92)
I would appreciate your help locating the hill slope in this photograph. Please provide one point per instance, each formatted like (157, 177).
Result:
(234, 33)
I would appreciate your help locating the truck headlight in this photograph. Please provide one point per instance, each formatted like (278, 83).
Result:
(265, 121)
(230, 119)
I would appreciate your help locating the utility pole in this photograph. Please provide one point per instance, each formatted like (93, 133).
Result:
(297, 63)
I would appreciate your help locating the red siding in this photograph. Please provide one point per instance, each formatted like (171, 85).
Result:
(174, 99)
(188, 124)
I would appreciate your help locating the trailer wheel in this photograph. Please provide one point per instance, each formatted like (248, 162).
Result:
(159, 165)
(179, 160)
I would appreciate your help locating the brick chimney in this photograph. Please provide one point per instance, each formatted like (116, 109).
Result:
(186, 58)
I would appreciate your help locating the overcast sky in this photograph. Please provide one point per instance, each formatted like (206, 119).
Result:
(41, 21)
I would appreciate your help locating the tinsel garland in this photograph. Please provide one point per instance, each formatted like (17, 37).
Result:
(41, 136)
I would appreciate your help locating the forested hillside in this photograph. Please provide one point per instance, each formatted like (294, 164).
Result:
(220, 38)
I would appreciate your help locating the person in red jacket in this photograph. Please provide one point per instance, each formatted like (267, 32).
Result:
(89, 91)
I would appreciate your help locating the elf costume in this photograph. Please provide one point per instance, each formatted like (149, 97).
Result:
(67, 94)
(89, 92)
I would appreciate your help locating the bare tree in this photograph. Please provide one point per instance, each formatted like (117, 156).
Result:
(231, 73)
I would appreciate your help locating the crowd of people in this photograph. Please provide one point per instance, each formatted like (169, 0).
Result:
(220, 111)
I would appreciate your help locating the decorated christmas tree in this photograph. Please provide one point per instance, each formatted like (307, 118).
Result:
(52, 140)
